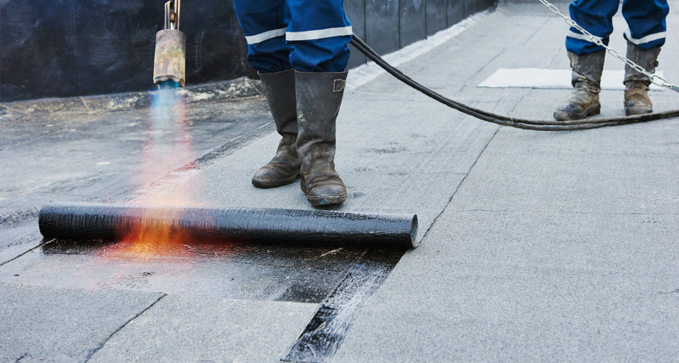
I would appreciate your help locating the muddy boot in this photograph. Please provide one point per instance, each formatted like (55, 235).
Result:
(283, 169)
(319, 96)
(637, 101)
(586, 79)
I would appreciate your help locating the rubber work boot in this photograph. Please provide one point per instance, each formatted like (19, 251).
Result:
(637, 101)
(586, 79)
(319, 96)
(283, 169)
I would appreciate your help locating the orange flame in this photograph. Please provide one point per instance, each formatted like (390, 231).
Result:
(168, 147)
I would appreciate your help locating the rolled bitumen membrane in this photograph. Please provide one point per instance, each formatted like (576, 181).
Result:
(239, 225)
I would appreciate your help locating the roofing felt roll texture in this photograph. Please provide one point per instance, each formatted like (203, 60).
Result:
(242, 225)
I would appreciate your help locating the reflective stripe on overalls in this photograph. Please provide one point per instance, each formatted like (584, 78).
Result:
(645, 20)
(307, 35)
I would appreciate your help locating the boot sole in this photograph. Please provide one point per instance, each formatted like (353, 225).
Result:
(637, 111)
(273, 183)
(327, 200)
(564, 116)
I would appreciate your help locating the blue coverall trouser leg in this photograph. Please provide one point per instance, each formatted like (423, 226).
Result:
(307, 35)
(645, 18)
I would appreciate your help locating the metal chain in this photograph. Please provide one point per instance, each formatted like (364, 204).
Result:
(656, 79)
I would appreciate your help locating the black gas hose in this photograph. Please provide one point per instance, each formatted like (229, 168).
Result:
(504, 120)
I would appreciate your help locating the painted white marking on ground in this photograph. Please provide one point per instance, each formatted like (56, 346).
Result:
(367, 72)
(550, 79)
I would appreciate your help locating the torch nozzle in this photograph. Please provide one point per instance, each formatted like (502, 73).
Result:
(170, 58)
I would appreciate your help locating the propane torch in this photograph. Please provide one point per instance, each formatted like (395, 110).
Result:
(169, 66)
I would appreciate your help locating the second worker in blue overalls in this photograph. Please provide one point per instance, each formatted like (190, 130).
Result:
(645, 36)
(299, 48)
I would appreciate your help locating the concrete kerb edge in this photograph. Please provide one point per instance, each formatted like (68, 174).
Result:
(239, 88)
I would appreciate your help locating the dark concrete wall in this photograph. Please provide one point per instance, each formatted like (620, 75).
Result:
(65, 48)
(388, 25)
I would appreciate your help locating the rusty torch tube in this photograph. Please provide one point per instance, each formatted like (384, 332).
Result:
(239, 225)
(170, 56)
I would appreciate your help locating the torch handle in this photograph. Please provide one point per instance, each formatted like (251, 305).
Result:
(172, 13)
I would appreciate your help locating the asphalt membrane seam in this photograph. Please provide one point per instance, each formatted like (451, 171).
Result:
(324, 334)
(31, 250)
(95, 350)
(548, 19)
(469, 171)
(204, 161)
(460, 185)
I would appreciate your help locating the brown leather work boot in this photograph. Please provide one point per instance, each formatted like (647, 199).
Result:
(586, 79)
(283, 169)
(637, 101)
(319, 96)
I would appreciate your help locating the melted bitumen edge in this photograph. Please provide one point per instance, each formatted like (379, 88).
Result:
(325, 333)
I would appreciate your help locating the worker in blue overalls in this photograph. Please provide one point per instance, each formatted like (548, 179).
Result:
(645, 36)
(299, 48)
